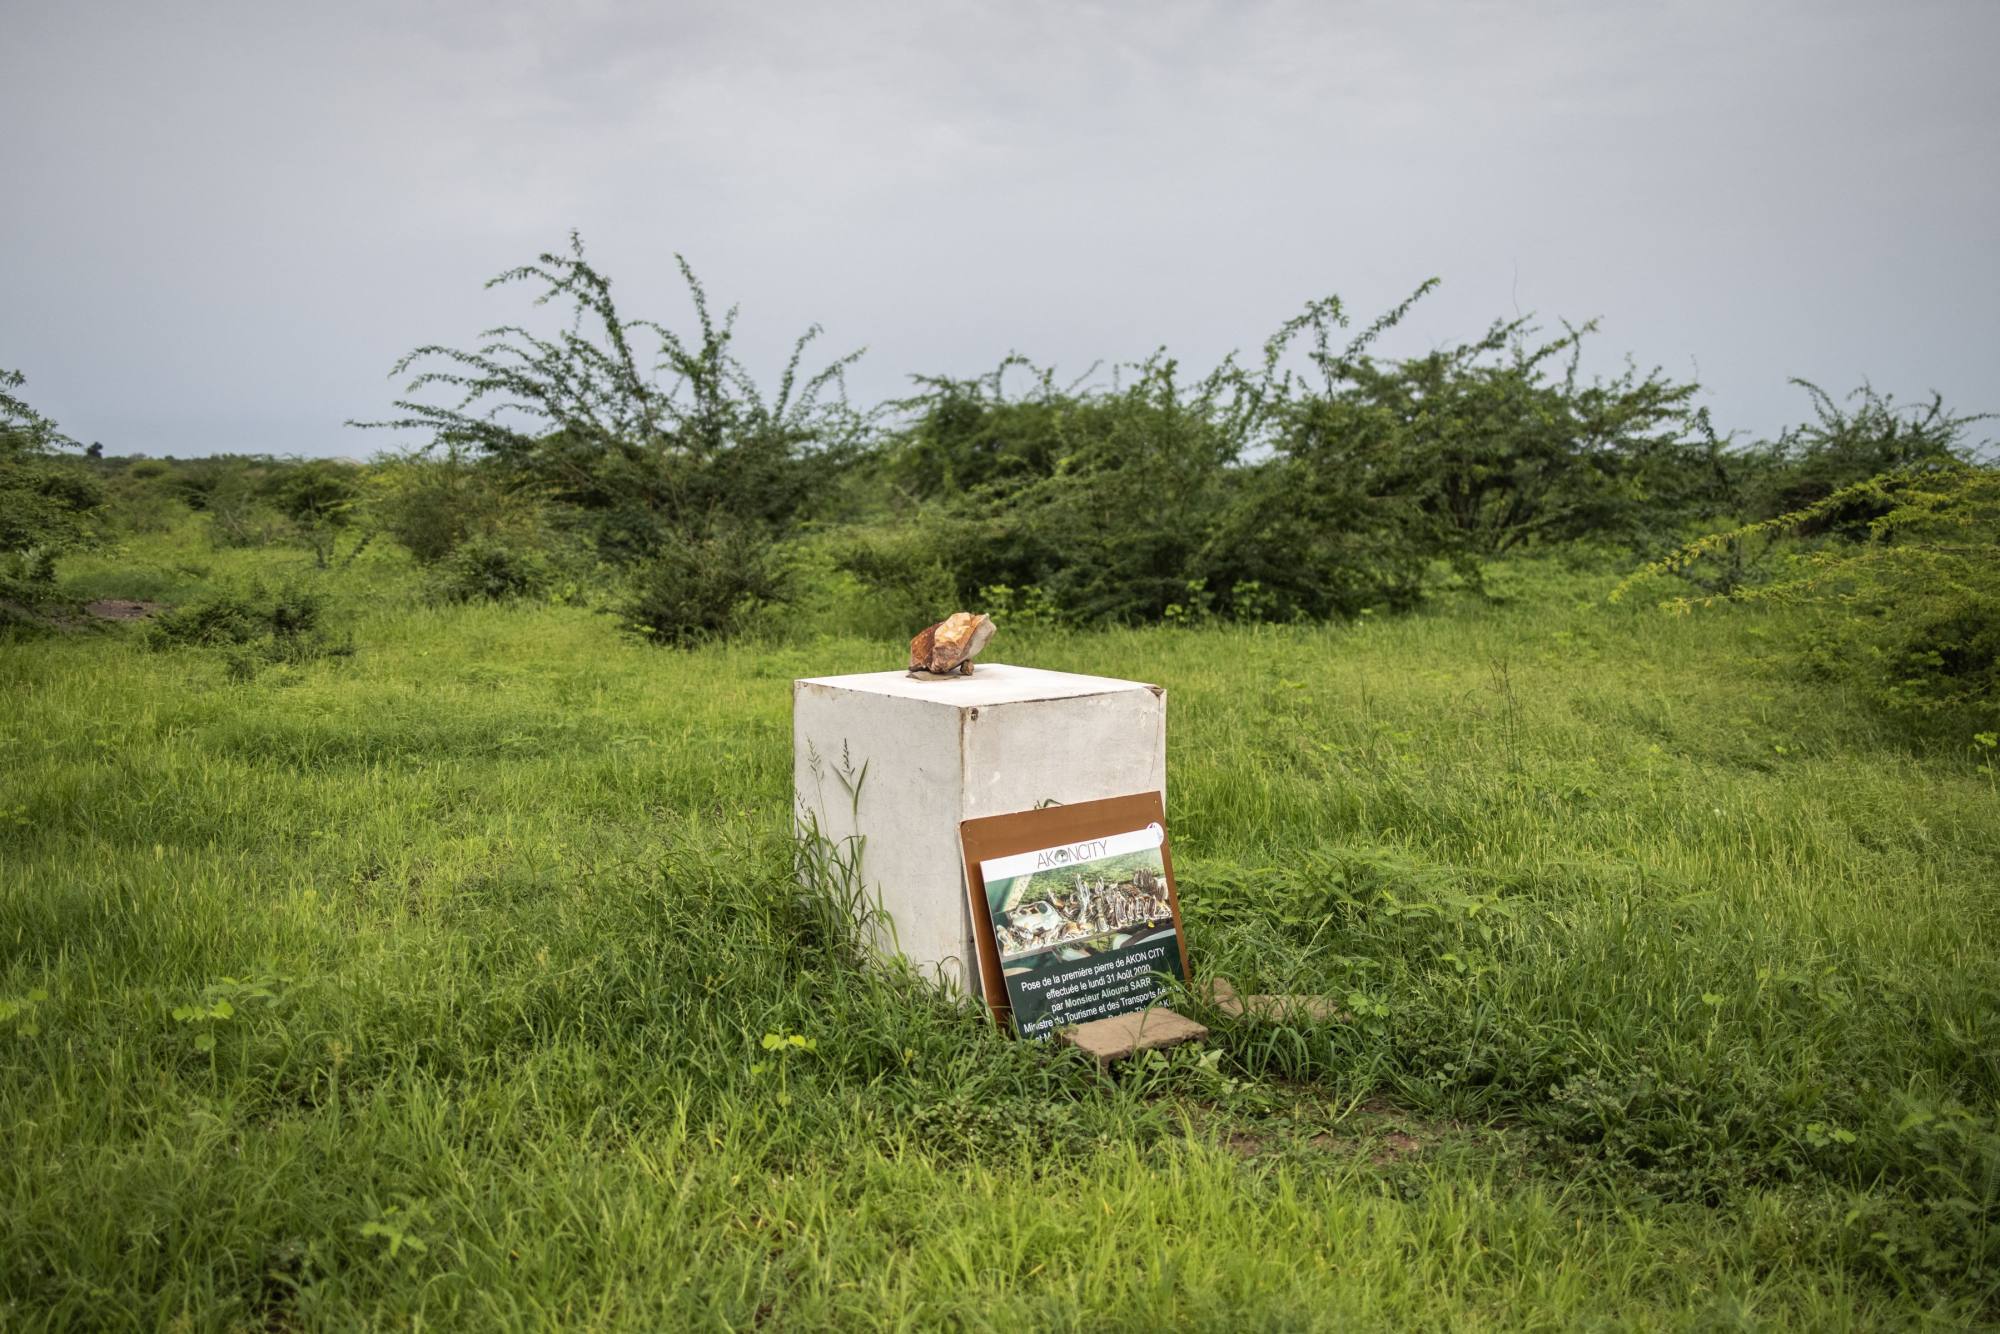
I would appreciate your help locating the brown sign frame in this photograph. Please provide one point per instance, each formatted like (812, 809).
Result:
(993, 836)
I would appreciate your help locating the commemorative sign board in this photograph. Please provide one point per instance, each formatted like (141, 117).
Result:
(1075, 912)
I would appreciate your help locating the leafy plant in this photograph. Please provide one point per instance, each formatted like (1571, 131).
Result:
(656, 437)
(1100, 497)
(285, 625)
(783, 1049)
(1026, 608)
(46, 505)
(398, 1227)
(1492, 445)
(20, 1011)
(902, 566)
(484, 569)
(1845, 445)
(1910, 613)
(696, 587)
(220, 1003)
(321, 499)
(318, 493)
(1322, 482)
(432, 504)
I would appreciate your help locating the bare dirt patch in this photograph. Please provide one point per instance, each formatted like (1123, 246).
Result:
(121, 609)
(1391, 1147)
(1384, 1135)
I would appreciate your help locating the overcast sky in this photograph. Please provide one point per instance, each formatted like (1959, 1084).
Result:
(223, 223)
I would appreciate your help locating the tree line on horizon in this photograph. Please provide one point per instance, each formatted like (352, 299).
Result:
(1314, 480)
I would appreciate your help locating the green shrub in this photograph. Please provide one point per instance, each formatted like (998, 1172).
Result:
(1278, 494)
(485, 569)
(702, 588)
(29, 595)
(214, 622)
(1156, 499)
(238, 516)
(252, 628)
(195, 481)
(969, 435)
(901, 567)
(431, 506)
(317, 494)
(1494, 445)
(1105, 499)
(1029, 608)
(48, 506)
(322, 499)
(649, 437)
(139, 498)
(1843, 446)
(1302, 539)
(1910, 613)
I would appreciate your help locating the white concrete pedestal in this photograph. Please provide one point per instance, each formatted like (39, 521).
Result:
(937, 752)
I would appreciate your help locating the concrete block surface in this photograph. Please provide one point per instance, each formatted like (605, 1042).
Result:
(937, 752)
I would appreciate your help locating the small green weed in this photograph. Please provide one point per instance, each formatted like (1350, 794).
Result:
(222, 1001)
(21, 1011)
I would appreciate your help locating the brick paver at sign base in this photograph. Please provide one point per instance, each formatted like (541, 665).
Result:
(1121, 1035)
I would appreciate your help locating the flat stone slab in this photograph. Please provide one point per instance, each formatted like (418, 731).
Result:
(1273, 1008)
(1122, 1035)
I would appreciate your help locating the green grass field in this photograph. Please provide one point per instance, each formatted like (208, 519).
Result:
(428, 987)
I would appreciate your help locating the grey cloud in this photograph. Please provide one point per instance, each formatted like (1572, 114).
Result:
(227, 221)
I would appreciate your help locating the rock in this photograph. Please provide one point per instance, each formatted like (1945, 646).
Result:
(1221, 993)
(1295, 1009)
(1270, 1008)
(1114, 1039)
(949, 647)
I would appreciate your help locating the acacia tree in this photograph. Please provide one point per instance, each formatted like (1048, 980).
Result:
(1841, 445)
(659, 437)
(22, 429)
(1906, 606)
(1496, 443)
(45, 502)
